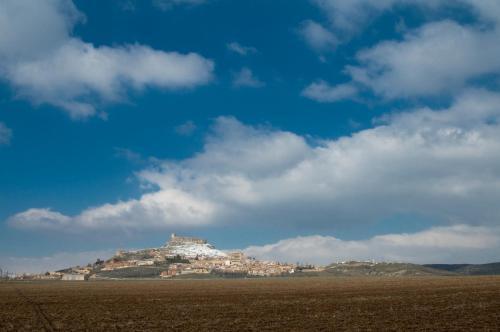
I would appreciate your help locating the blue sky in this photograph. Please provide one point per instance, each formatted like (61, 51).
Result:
(311, 127)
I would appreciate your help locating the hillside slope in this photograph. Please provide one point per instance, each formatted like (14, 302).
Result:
(354, 269)
(468, 269)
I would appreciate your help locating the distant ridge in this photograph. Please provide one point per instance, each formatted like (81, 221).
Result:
(468, 269)
(354, 269)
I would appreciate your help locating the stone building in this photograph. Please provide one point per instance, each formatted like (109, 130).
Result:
(178, 240)
(74, 277)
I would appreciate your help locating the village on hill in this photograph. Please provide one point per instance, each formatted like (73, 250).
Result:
(180, 257)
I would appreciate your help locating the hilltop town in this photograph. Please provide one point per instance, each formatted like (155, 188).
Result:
(180, 257)
(188, 256)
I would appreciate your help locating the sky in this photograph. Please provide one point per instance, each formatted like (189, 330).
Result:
(310, 130)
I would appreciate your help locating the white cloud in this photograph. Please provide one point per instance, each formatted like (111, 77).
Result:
(5, 134)
(440, 165)
(318, 38)
(104, 71)
(240, 49)
(165, 208)
(45, 219)
(169, 4)
(46, 64)
(453, 244)
(29, 29)
(245, 77)
(440, 58)
(349, 16)
(437, 58)
(321, 91)
(53, 262)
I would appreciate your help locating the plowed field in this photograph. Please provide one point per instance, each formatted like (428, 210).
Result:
(312, 304)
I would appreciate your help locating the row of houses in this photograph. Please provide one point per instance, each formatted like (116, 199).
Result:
(236, 263)
(114, 265)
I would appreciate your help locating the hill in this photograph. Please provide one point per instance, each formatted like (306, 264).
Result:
(181, 257)
(357, 269)
(468, 269)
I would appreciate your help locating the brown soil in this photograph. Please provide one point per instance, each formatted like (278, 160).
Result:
(313, 304)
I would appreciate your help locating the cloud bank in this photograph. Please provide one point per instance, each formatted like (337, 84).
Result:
(44, 63)
(453, 244)
(441, 165)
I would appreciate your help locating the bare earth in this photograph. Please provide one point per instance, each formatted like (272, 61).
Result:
(313, 304)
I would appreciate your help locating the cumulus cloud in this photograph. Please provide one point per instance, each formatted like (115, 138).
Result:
(5, 134)
(240, 49)
(452, 244)
(323, 92)
(440, 57)
(53, 262)
(348, 17)
(165, 208)
(46, 64)
(45, 219)
(441, 165)
(246, 78)
(317, 37)
(437, 58)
